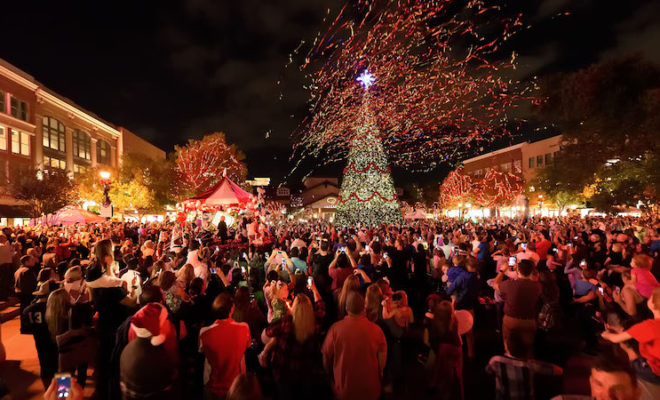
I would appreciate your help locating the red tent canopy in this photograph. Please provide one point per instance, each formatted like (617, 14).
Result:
(223, 193)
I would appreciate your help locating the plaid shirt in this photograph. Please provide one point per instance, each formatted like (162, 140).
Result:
(514, 378)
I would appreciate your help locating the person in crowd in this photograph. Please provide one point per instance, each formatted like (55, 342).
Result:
(521, 298)
(611, 378)
(647, 333)
(112, 304)
(223, 344)
(354, 353)
(147, 370)
(35, 322)
(466, 287)
(514, 371)
(245, 387)
(6, 266)
(25, 284)
(445, 360)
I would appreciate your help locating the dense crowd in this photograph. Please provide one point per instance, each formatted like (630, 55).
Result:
(301, 310)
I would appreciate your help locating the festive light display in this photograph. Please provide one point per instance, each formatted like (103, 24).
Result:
(367, 194)
(455, 189)
(495, 189)
(441, 87)
(201, 163)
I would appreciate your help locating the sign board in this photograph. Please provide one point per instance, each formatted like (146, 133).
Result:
(106, 211)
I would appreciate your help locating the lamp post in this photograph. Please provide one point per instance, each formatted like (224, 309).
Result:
(105, 181)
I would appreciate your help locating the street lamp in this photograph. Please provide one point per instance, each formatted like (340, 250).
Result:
(105, 181)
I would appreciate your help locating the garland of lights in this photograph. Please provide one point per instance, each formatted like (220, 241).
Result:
(351, 165)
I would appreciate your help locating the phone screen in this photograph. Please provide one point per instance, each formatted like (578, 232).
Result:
(245, 256)
(243, 269)
(600, 289)
(512, 261)
(63, 386)
(309, 281)
(524, 246)
(283, 262)
(213, 270)
(367, 248)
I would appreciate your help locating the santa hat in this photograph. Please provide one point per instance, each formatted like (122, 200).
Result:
(149, 322)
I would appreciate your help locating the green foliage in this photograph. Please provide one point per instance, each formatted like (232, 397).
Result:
(43, 191)
(609, 114)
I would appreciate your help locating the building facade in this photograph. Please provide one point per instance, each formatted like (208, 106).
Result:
(526, 159)
(42, 129)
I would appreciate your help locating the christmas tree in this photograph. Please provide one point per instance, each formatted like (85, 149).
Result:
(367, 194)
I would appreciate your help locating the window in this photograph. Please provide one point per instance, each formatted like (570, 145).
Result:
(54, 134)
(82, 144)
(103, 152)
(283, 191)
(18, 108)
(20, 143)
(79, 169)
(531, 162)
(3, 105)
(548, 159)
(539, 161)
(505, 167)
(54, 162)
(517, 165)
(3, 139)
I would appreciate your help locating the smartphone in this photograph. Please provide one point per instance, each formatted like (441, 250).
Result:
(309, 281)
(283, 262)
(217, 248)
(385, 256)
(213, 270)
(512, 261)
(600, 289)
(575, 238)
(367, 248)
(524, 246)
(570, 245)
(63, 382)
(245, 256)
(243, 269)
(583, 263)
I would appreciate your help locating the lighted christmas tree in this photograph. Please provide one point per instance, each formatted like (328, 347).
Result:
(367, 194)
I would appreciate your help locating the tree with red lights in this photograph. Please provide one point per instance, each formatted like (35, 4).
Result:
(497, 189)
(200, 163)
(456, 188)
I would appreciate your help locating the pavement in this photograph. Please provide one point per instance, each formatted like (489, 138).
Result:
(21, 369)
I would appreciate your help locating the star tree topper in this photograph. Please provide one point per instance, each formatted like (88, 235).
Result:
(366, 79)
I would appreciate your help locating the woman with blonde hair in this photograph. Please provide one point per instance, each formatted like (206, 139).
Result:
(373, 301)
(57, 312)
(295, 356)
(185, 275)
(351, 284)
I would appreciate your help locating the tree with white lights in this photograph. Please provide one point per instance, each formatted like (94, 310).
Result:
(367, 194)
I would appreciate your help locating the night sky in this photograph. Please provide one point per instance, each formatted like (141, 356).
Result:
(173, 70)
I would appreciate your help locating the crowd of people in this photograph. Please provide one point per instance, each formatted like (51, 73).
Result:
(170, 310)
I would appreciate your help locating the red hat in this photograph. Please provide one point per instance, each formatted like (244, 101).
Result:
(149, 322)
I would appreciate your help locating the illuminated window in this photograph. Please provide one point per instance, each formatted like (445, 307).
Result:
(54, 136)
(548, 159)
(82, 145)
(539, 161)
(517, 165)
(20, 143)
(79, 169)
(54, 162)
(18, 108)
(531, 162)
(103, 152)
(3, 138)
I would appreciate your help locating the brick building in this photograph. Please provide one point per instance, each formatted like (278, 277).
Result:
(43, 129)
